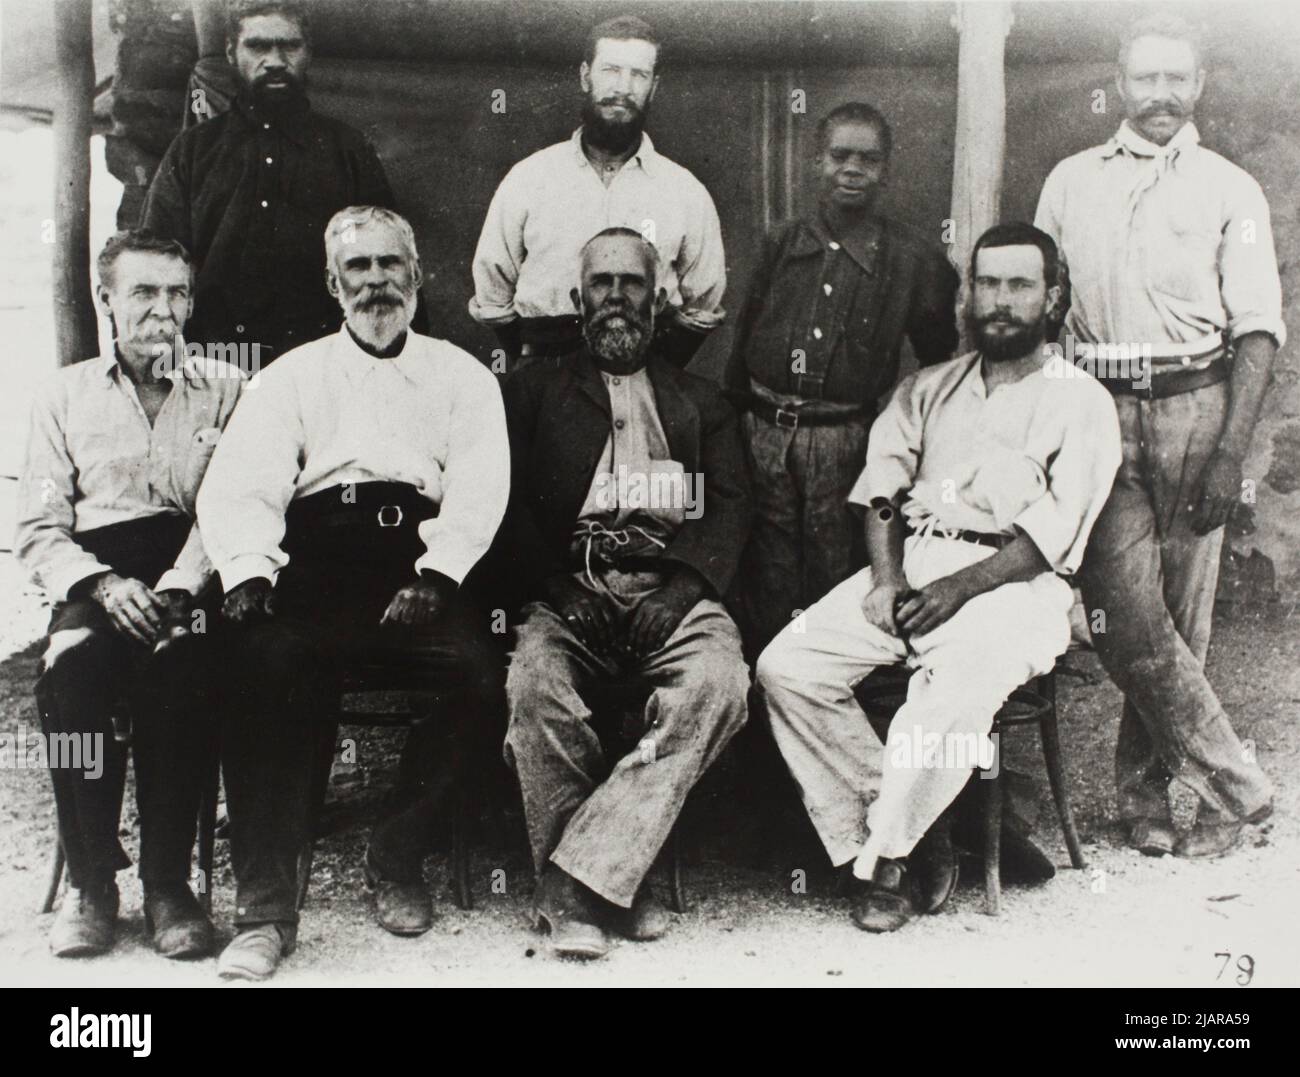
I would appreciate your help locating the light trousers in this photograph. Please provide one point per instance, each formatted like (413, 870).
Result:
(867, 799)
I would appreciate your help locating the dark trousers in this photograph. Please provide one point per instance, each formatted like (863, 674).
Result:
(344, 569)
(92, 675)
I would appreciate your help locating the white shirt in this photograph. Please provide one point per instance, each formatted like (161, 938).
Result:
(551, 203)
(93, 459)
(1039, 454)
(327, 414)
(1166, 245)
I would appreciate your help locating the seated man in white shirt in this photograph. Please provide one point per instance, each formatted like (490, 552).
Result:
(365, 477)
(116, 451)
(997, 463)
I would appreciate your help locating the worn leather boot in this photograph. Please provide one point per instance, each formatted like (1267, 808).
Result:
(86, 922)
(567, 910)
(648, 919)
(181, 930)
(885, 904)
(255, 953)
(402, 908)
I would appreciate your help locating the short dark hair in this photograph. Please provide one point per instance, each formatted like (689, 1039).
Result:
(1163, 24)
(136, 239)
(1021, 234)
(855, 112)
(623, 28)
(648, 249)
(239, 10)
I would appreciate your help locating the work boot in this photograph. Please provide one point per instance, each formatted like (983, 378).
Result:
(86, 922)
(885, 904)
(402, 908)
(648, 919)
(569, 911)
(255, 953)
(174, 918)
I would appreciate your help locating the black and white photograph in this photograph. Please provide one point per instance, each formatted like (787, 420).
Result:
(668, 493)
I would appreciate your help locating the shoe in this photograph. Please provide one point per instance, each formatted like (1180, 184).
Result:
(86, 922)
(181, 930)
(565, 908)
(933, 868)
(1022, 861)
(1209, 840)
(884, 904)
(255, 953)
(645, 921)
(402, 908)
(1151, 837)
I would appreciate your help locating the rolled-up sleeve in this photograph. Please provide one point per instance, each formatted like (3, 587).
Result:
(1080, 471)
(701, 266)
(893, 449)
(475, 479)
(1249, 283)
(43, 543)
(250, 482)
(499, 255)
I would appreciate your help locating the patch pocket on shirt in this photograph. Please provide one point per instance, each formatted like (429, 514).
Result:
(201, 447)
(1187, 259)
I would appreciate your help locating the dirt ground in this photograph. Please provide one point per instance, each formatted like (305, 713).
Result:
(1125, 920)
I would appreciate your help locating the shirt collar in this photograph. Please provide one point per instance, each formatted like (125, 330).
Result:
(646, 155)
(110, 367)
(815, 236)
(357, 362)
(291, 122)
(1135, 144)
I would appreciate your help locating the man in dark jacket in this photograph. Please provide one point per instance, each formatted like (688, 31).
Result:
(628, 512)
(816, 347)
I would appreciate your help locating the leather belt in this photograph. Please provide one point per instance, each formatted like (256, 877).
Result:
(980, 538)
(1173, 383)
(792, 420)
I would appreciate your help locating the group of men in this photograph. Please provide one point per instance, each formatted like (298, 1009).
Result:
(221, 551)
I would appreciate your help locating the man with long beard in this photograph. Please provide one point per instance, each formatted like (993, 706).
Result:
(607, 174)
(984, 476)
(628, 512)
(364, 480)
(249, 192)
(1169, 248)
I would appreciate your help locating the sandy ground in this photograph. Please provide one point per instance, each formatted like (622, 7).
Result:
(1126, 920)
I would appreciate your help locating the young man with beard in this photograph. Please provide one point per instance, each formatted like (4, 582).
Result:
(817, 345)
(363, 480)
(1169, 249)
(117, 448)
(607, 174)
(984, 476)
(250, 191)
(619, 585)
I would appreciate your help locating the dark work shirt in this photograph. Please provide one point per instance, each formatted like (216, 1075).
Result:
(825, 320)
(249, 194)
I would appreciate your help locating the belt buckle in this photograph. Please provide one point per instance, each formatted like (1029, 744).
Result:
(383, 519)
(787, 419)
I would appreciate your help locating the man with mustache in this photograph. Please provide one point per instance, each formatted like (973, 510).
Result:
(817, 345)
(607, 174)
(1169, 250)
(983, 478)
(618, 585)
(363, 481)
(250, 191)
(116, 451)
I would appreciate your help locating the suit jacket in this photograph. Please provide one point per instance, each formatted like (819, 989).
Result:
(558, 415)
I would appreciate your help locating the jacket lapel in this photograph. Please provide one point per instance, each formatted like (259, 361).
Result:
(677, 413)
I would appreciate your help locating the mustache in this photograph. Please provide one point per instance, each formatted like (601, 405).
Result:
(386, 297)
(1158, 107)
(1002, 319)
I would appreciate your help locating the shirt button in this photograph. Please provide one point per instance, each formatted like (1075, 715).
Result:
(617, 381)
(817, 333)
(266, 127)
(834, 246)
(268, 160)
(826, 288)
(619, 424)
(239, 329)
(1187, 360)
(264, 203)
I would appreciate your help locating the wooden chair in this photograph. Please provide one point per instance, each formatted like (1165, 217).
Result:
(884, 692)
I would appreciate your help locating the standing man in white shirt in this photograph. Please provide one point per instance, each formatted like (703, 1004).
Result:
(365, 478)
(117, 449)
(608, 174)
(984, 476)
(1170, 251)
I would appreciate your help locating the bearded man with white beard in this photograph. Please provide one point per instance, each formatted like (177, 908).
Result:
(364, 480)
(618, 585)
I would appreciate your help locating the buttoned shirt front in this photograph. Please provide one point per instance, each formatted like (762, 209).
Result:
(1038, 455)
(551, 203)
(329, 414)
(249, 194)
(1166, 245)
(94, 459)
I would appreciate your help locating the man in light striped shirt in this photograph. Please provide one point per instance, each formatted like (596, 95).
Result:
(1168, 247)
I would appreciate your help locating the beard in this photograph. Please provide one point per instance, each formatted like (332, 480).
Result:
(1024, 338)
(287, 94)
(379, 317)
(612, 136)
(619, 335)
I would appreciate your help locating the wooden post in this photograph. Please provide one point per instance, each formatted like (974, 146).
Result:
(981, 126)
(75, 329)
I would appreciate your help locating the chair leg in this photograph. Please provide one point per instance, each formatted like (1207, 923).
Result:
(676, 891)
(1051, 738)
(56, 878)
(992, 796)
(208, 835)
(320, 784)
(460, 824)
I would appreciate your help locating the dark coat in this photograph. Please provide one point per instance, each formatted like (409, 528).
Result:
(558, 414)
